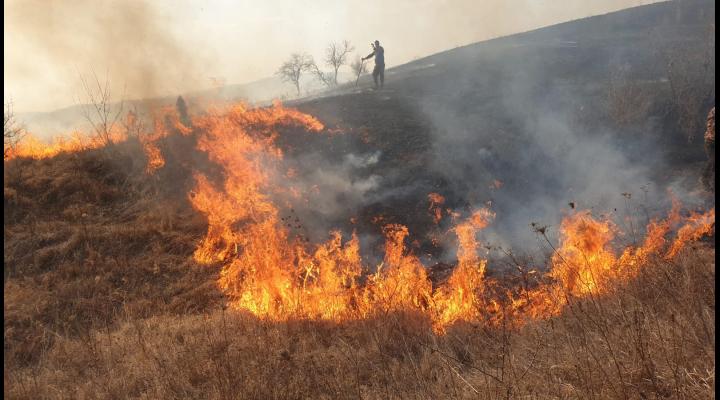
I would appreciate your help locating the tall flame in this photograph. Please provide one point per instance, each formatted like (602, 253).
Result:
(584, 260)
(271, 273)
(459, 299)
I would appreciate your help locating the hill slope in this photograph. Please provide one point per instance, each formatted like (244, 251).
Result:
(104, 295)
(579, 112)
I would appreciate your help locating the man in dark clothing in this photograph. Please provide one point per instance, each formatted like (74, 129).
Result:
(379, 70)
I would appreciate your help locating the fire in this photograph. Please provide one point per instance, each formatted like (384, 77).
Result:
(33, 147)
(585, 259)
(697, 226)
(400, 281)
(436, 201)
(166, 121)
(272, 273)
(654, 240)
(269, 273)
(459, 299)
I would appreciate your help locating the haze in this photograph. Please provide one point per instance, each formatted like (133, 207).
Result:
(166, 47)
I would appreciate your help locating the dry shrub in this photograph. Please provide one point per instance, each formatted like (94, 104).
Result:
(651, 338)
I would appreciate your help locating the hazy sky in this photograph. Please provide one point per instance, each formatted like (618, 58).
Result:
(163, 47)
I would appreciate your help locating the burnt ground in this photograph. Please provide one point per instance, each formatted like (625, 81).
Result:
(578, 112)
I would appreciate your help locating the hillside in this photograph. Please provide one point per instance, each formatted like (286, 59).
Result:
(65, 120)
(519, 218)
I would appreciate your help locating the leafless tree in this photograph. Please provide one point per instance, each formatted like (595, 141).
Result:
(98, 111)
(359, 68)
(336, 55)
(323, 77)
(13, 132)
(292, 69)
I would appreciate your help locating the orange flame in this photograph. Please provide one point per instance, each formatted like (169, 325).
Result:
(32, 147)
(436, 201)
(585, 259)
(271, 273)
(459, 299)
(697, 226)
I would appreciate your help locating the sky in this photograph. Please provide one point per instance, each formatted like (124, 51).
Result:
(165, 47)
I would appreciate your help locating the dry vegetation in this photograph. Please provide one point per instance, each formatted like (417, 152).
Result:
(690, 70)
(103, 300)
(628, 100)
(104, 296)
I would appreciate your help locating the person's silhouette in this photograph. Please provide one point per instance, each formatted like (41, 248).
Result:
(379, 70)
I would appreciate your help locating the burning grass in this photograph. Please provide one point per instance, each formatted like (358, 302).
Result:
(115, 289)
(632, 343)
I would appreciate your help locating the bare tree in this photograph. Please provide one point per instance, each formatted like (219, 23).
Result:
(292, 69)
(99, 112)
(323, 77)
(336, 55)
(359, 68)
(13, 132)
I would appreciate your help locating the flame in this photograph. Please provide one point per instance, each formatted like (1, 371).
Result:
(268, 272)
(697, 226)
(436, 201)
(166, 121)
(584, 259)
(265, 271)
(654, 240)
(272, 273)
(586, 263)
(459, 298)
(32, 147)
(400, 281)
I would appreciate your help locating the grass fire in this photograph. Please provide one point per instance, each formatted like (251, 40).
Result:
(530, 216)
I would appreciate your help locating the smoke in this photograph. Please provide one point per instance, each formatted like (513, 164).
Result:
(332, 191)
(129, 41)
(548, 139)
(526, 112)
(47, 41)
(523, 124)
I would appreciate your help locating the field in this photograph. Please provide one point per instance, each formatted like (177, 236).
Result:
(494, 224)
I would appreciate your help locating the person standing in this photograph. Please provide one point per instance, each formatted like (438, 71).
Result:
(379, 70)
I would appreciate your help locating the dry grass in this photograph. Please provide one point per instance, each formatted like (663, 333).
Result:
(628, 100)
(102, 302)
(651, 339)
(83, 243)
